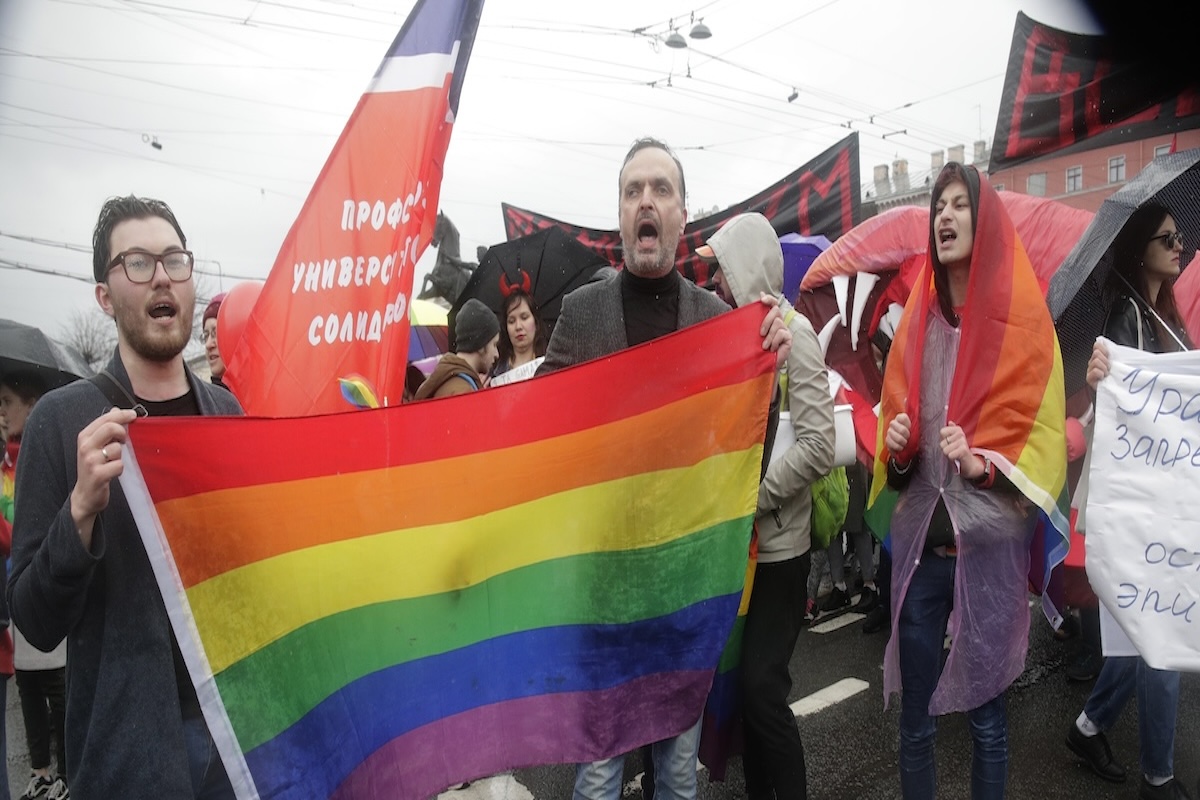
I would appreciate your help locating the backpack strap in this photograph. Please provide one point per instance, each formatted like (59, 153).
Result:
(469, 379)
(112, 389)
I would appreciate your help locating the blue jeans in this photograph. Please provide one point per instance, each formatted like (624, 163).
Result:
(1158, 703)
(209, 781)
(922, 631)
(674, 771)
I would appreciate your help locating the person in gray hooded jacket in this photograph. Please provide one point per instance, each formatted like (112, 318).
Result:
(749, 262)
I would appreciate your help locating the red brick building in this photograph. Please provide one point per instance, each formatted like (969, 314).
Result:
(1080, 180)
(1084, 180)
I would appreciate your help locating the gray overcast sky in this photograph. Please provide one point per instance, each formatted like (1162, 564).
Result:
(247, 97)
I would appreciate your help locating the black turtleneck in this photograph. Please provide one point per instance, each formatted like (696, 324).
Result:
(651, 306)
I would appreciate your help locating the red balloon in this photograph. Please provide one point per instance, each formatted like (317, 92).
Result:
(232, 317)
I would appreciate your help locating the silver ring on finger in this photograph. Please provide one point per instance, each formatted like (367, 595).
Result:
(104, 452)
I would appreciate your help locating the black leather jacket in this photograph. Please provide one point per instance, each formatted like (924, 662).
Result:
(1123, 322)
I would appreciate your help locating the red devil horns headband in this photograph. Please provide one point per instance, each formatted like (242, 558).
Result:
(507, 288)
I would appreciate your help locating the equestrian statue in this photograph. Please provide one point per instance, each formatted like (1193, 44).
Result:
(450, 273)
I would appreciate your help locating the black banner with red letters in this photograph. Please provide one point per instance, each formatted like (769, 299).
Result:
(820, 198)
(1066, 92)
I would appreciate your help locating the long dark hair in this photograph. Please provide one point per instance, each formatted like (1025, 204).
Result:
(539, 328)
(1128, 250)
(950, 173)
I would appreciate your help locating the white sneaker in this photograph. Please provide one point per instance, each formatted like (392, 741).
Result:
(58, 790)
(38, 788)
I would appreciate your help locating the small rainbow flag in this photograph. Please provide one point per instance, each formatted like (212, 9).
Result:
(384, 603)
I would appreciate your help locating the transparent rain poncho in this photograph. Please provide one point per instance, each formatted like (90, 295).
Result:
(989, 623)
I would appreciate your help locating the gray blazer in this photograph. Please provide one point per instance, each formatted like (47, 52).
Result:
(592, 321)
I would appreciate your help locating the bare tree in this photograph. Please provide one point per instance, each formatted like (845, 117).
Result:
(92, 333)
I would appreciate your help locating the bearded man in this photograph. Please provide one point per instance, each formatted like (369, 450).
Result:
(645, 300)
(79, 571)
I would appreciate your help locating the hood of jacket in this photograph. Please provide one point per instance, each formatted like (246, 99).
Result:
(750, 256)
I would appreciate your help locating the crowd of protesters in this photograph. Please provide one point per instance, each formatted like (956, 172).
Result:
(109, 707)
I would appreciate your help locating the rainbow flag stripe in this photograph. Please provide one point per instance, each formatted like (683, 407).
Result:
(721, 732)
(385, 603)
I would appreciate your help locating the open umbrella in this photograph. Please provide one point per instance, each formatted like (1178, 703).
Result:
(24, 348)
(1075, 294)
(553, 261)
(426, 312)
(799, 252)
(428, 333)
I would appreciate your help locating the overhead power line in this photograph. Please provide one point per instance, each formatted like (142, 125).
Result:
(17, 265)
(79, 248)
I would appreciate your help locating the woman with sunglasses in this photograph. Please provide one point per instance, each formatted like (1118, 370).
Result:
(1146, 256)
(1146, 261)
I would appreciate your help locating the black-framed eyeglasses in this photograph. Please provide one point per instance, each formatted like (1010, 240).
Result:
(1169, 240)
(139, 265)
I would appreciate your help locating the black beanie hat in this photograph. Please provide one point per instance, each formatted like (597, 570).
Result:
(474, 326)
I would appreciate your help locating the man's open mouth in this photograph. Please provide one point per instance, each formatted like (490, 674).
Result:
(647, 233)
(946, 235)
(161, 310)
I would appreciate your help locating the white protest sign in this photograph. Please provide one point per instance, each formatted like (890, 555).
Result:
(1143, 507)
(521, 373)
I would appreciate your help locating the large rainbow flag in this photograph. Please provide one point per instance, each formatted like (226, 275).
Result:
(384, 603)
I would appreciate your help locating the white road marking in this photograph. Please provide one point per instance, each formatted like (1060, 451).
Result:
(817, 701)
(506, 787)
(497, 787)
(834, 693)
(840, 621)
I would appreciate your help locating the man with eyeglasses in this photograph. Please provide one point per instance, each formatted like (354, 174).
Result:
(134, 726)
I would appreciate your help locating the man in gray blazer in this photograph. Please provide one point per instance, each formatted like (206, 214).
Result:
(645, 300)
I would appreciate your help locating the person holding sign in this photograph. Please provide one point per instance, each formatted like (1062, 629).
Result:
(522, 336)
(971, 447)
(1145, 261)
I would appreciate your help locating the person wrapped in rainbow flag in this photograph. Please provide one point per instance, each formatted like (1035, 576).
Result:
(971, 448)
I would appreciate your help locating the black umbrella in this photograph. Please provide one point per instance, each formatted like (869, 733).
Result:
(1075, 294)
(550, 260)
(24, 348)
